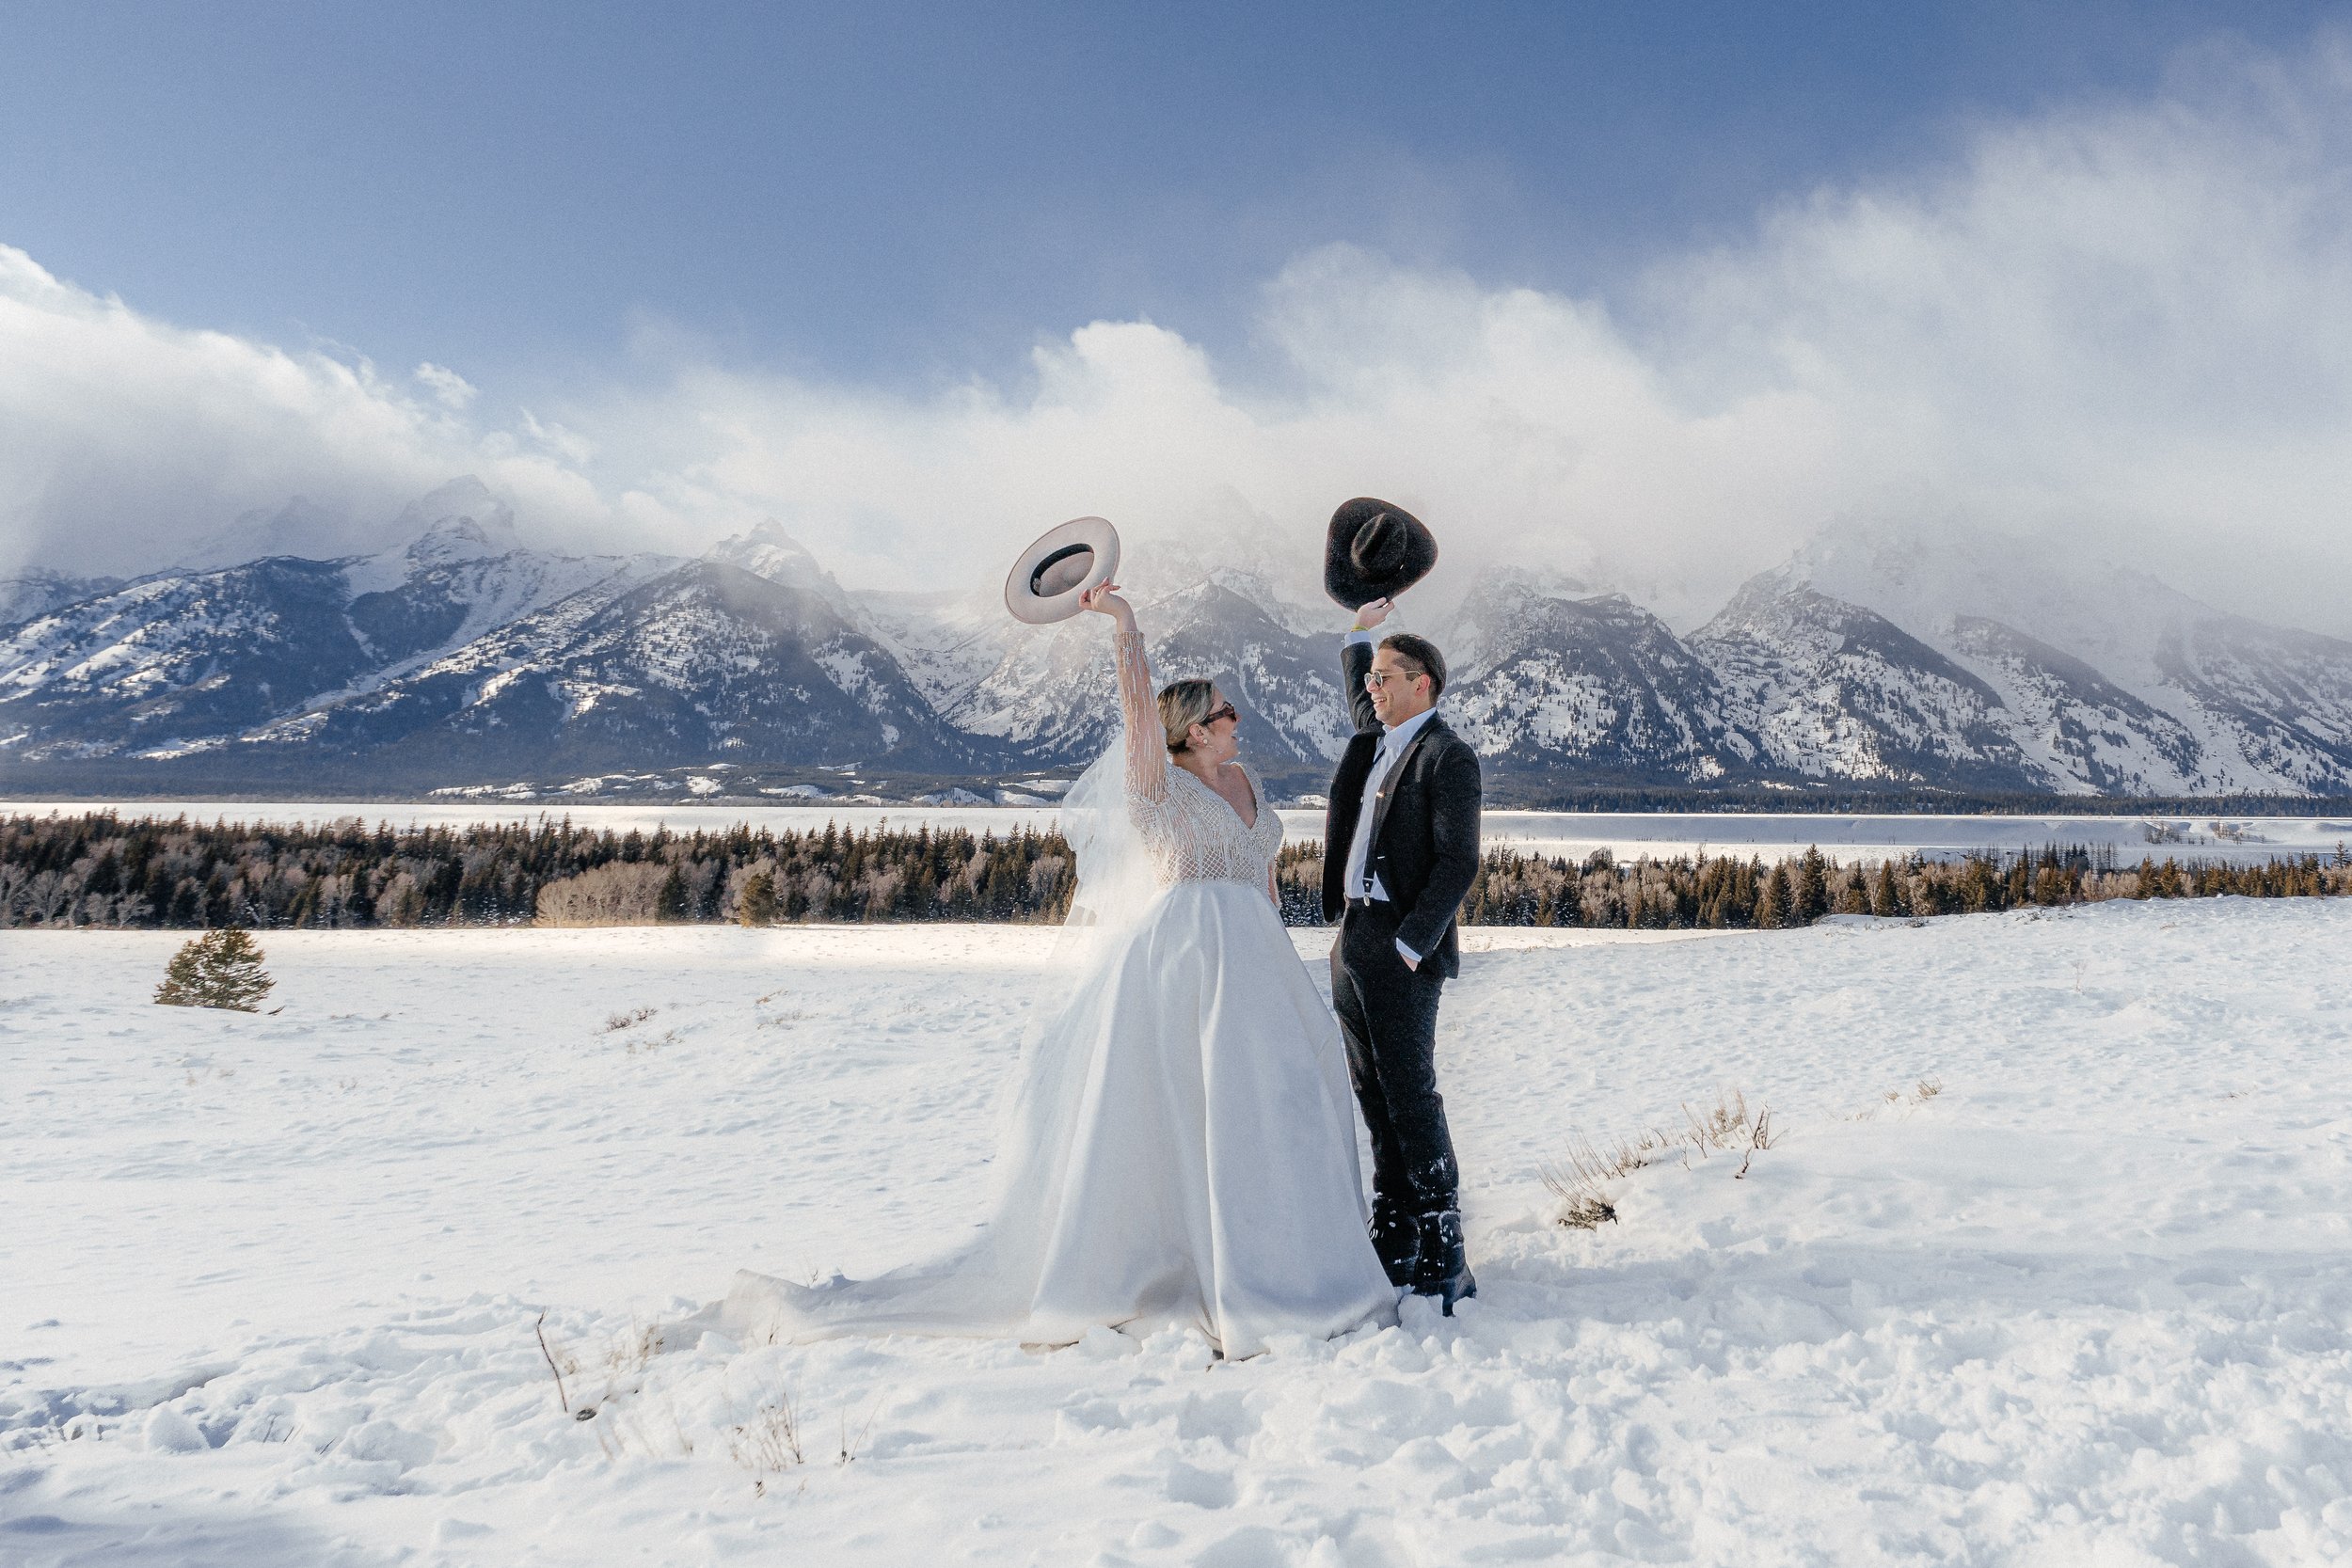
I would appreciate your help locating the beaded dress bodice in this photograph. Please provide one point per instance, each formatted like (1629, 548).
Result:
(1192, 832)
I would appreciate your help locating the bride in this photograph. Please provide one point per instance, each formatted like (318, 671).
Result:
(1181, 1142)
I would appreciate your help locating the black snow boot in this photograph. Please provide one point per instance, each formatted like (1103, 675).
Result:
(1396, 1237)
(1444, 1268)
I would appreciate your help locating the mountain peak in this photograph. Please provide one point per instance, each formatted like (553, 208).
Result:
(461, 539)
(768, 551)
(1521, 582)
(460, 521)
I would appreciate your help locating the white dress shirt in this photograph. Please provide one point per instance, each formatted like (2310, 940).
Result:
(1359, 879)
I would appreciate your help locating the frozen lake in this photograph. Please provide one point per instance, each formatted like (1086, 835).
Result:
(1626, 834)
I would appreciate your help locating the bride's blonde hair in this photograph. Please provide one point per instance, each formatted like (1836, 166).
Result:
(1182, 704)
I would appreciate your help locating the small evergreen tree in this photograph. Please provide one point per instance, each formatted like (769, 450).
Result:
(1888, 899)
(220, 969)
(670, 903)
(1771, 899)
(1809, 901)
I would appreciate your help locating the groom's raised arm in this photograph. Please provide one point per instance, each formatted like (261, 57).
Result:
(1453, 836)
(1355, 664)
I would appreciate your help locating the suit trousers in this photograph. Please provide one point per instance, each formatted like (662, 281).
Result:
(1389, 1018)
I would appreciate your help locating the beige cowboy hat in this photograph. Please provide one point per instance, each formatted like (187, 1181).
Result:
(1046, 581)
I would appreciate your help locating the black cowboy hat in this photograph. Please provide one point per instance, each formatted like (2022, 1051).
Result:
(1374, 551)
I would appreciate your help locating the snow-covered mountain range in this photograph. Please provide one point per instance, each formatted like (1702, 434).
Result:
(460, 658)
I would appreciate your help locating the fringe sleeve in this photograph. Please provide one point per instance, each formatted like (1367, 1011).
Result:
(1147, 740)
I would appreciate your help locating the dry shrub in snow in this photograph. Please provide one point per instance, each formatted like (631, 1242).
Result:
(1921, 1092)
(1581, 1184)
(1727, 1128)
(769, 1443)
(1582, 1181)
(219, 969)
(559, 1362)
(631, 1352)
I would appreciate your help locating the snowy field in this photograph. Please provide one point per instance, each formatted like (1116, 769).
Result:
(268, 1284)
(1625, 834)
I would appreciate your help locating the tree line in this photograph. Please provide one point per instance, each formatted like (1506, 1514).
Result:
(99, 869)
(1725, 892)
(1535, 791)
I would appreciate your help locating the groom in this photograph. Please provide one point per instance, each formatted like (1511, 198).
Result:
(1400, 846)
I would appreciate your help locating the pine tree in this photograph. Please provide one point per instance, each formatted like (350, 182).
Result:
(1888, 899)
(1811, 898)
(670, 903)
(1771, 899)
(220, 969)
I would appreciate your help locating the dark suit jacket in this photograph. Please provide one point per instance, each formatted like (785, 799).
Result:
(1424, 843)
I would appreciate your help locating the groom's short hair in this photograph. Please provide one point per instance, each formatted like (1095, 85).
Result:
(1422, 655)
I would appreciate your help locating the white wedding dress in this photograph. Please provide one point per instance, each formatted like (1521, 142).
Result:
(1180, 1147)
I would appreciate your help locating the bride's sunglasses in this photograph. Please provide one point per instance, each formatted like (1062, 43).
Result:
(1223, 710)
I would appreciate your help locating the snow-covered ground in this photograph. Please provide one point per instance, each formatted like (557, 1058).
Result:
(268, 1284)
(1625, 834)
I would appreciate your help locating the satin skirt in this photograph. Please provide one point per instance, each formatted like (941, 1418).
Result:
(1178, 1148)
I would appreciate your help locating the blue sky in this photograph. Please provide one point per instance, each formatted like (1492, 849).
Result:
(888, 192)
(1651, 293)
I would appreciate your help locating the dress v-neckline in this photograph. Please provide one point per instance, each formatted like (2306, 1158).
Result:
(1256, 804)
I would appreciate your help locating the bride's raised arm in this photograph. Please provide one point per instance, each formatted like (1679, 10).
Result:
(1147, 740)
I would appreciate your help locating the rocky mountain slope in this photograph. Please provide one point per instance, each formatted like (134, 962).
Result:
(706, 662)
(1834, 690)
(35, 594)
(189, 661)
(460, 658)
(1589, 686)
(2109, 681)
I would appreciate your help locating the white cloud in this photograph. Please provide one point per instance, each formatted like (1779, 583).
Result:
(125, 440)
(2128, 324)
(566, 444)
(2123, 323)
(454, 390)
(1511, 420)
